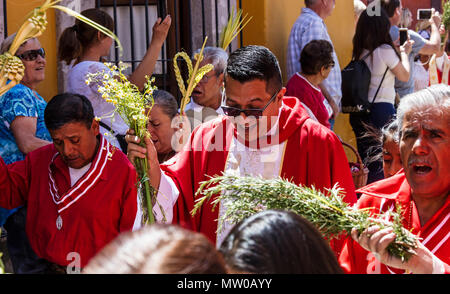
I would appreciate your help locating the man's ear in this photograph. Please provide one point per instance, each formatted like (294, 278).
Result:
(95, 127)
(221, 79)
(281, 94)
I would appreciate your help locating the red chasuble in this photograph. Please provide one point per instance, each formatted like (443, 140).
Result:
(63, 219)
(382, 196)
(313, 156)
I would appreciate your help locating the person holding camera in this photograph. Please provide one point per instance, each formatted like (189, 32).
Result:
(373, 44)
(421, 46)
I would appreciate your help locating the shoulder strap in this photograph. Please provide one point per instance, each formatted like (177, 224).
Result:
(378, 90)
(106, 127)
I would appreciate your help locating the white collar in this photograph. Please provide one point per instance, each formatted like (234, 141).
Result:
(314, 87)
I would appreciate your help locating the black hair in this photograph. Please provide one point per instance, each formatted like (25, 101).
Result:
(315, 55)
(278, 242)
(390, 6)
(371, 33)
(255, 63)
(66, 108)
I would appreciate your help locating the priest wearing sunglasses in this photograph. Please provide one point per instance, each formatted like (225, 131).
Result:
(22, 130)
(262, 134)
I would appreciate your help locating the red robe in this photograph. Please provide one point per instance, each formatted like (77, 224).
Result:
(91, 216)
(384, 195)
(313, 156)
(299, 87)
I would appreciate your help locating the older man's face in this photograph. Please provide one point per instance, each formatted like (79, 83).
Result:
(425, 152)
(76, 143)
(208, 90)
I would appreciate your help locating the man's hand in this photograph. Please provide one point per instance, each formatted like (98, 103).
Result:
(376, 241)
(134, 151)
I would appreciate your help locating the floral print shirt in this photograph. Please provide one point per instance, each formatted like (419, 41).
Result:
(19, 101)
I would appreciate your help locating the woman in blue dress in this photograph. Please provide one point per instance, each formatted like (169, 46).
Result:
(22, 130)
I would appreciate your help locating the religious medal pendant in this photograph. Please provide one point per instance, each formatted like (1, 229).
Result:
(59, 222)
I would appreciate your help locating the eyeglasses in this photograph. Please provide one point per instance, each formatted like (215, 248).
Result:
(233, 111)
(206, 78)
(32, 55)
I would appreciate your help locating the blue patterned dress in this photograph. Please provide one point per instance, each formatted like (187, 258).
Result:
(19, 101)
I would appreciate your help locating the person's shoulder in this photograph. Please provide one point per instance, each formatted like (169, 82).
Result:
(320, 133)
(42, 154)
(119, 159)
(18, 91)
(88, 67)
(382, 190)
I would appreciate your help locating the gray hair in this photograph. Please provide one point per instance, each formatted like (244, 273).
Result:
(6, 44)
(167, 102)
(217, 57)
(433, 97)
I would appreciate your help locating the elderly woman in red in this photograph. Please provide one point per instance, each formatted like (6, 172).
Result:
(422, 189)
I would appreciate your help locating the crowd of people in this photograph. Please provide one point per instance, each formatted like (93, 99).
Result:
(69, 199)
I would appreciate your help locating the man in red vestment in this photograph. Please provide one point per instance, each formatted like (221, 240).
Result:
(422, 189)
(262, 134)
(80, 190)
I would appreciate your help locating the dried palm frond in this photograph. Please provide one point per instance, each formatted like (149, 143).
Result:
(246, 196)
(11, 67)
(234, 26)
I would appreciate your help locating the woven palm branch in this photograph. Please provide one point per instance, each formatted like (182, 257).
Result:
(11, 67)
(195, 75)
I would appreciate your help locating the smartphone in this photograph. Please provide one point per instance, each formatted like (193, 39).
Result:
(403, 36)
(423, 14)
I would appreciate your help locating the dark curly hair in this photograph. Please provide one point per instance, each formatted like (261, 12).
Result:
(315, 55)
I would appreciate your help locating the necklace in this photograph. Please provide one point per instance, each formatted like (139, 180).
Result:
(410, 214)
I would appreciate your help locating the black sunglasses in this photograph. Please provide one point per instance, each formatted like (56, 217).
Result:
(257, 113)
(32, 55)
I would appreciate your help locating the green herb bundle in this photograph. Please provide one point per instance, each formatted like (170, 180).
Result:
(446, 16)
(328, 212)
(134, 107)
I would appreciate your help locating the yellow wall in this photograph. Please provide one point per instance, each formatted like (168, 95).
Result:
(271, 25)
(16, 12)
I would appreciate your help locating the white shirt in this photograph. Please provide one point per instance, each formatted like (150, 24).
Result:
(198, 108)
(382, 57)
(77, 173)
(76, 83)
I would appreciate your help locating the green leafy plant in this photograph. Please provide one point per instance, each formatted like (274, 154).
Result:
(246, 196)
(134, 107)
(446, 16)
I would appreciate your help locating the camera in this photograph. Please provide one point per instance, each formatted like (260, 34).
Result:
(423, 14)
(403, 36)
